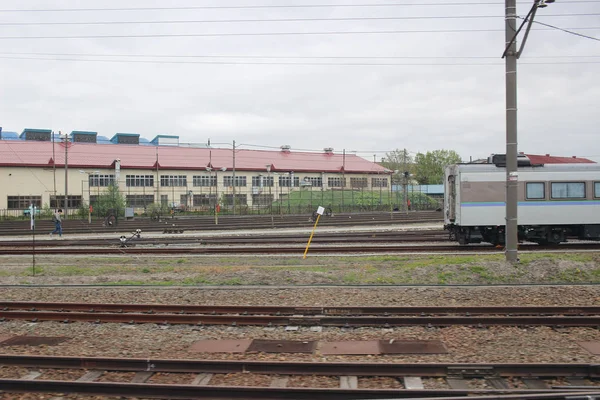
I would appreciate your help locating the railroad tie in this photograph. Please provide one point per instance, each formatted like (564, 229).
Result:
(457, 383)
(91, 376)
(31, 375)
(280, 381)
(202, 379)
(142, 376)
(498, 382)
(412, 382)
(349, 382)
(535, 383)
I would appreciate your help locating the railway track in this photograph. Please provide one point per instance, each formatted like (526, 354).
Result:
(341, 237)
(301, 316)
(92, 375)
(285, 249)
(226, 222)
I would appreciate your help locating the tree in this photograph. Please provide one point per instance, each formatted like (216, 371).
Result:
(111, 199)
(429, 167)
(398, 160)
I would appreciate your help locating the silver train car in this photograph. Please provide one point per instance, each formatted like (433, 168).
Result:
(555, 201)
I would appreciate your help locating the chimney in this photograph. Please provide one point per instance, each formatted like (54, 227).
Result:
(574, 156)
(547, 155)
(286, 148)
(328, 150)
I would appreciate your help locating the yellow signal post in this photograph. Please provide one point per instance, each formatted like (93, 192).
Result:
(320, 211)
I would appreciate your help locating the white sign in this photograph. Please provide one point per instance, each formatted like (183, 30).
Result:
(513, 176)
(320, 210)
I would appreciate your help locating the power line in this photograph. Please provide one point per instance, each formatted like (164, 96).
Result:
(567, 31)
(290, 63)
(161, 35)
(277, 20)
(227, 56)
(274, 6)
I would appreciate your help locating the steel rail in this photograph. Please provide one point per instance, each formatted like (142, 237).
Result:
(270, 320)
(287, 238)
(244, 392)
(292, 250)
(286, 368)
(300, 310)
(392, 369)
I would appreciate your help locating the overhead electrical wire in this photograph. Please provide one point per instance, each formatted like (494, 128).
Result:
(290, 63)
(568, 31)
(161, 35)
(273, 57)
(203, 21)
(273, 6)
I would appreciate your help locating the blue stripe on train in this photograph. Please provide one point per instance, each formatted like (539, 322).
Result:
(533, 203)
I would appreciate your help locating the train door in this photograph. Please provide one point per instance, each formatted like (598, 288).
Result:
(451, 211)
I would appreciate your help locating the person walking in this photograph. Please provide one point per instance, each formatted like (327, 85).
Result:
(56, 218)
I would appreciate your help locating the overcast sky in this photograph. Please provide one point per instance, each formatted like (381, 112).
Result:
(424, 101)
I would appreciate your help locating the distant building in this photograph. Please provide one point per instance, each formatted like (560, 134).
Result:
(165, 172)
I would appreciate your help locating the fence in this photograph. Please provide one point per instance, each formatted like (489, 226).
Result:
(245, 200)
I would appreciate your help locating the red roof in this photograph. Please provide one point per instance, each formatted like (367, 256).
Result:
(548, 159)
(87, 155)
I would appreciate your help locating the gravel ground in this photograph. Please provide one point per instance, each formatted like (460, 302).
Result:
(464, 344)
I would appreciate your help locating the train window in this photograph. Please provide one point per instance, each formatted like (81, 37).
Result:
(536, 191)
(568, 190)
(596, 189)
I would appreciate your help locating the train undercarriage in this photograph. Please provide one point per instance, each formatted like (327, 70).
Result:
(541, 234)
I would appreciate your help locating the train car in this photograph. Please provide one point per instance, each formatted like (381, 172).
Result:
(555, 201)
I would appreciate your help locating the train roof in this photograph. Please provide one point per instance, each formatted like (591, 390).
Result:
(471, 167)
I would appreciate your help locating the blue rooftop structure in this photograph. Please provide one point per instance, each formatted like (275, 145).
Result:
(9, 135)
(42, 135)
(170, 140)
(126, 138)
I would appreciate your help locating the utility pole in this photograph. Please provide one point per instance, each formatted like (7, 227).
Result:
(66, 175)
(233, 178)
(343, 185)
(511, 133)
(53, 165)
(511, 54)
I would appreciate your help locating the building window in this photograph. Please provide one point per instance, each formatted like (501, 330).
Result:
(59, 201)
(205, 181)
(359, 182)
(314, 181)
(568, 190)
(262, 181)
(336, 182)
(240, 199)
(164, 200)
(101, 180)
(139, 200)
(286, 181)
(22, 202)
(204, 200)
(173, 180)
(262, 199)
(596, 189)
(239, 181)
(139, 180)
(535, 191)
(379, 182)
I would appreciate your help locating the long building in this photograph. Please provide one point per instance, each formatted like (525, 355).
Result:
(41, 168)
